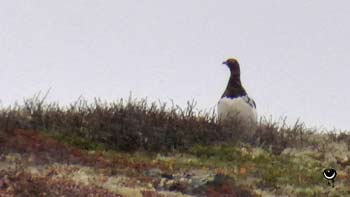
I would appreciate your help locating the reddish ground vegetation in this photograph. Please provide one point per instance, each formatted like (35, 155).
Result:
(23, 184)
(44, 149)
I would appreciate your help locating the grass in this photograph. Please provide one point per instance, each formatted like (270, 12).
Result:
(138, 125)
(274, 158)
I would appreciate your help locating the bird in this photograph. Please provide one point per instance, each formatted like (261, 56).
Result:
(235, 102)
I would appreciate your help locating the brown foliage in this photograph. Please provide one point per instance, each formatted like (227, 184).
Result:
(137, 125)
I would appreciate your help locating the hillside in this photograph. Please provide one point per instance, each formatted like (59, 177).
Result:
(135, 148)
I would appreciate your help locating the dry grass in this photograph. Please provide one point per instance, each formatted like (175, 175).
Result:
(131, 137)
(138, 125)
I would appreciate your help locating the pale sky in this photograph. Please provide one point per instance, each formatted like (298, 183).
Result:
(294, 55)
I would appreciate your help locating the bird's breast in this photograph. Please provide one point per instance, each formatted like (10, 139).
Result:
(236, 107)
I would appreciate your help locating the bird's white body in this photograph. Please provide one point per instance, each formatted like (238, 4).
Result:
(240, 108)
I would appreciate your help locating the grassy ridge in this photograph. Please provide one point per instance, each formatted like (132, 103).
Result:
(138, 125)
(274, 158)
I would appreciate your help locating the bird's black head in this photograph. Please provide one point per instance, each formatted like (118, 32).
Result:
(233, 65)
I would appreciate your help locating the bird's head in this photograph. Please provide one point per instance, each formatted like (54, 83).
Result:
(233, 65)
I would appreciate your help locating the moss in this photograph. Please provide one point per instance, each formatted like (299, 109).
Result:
(141, 135)
(77, 141)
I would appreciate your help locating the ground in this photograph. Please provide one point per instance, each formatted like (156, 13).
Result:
(35, 164)
(135, 148)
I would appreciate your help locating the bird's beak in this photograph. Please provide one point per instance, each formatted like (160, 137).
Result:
(224, 62)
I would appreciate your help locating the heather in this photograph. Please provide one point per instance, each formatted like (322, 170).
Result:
(133, 147)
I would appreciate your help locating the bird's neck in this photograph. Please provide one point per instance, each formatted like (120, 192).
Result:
(235, 80)
(234, 87)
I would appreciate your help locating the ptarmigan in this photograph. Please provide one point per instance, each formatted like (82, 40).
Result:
(235, 101)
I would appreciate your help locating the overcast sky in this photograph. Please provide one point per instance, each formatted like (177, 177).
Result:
(294, 55)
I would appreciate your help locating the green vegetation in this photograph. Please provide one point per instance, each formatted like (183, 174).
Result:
(149, 141)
